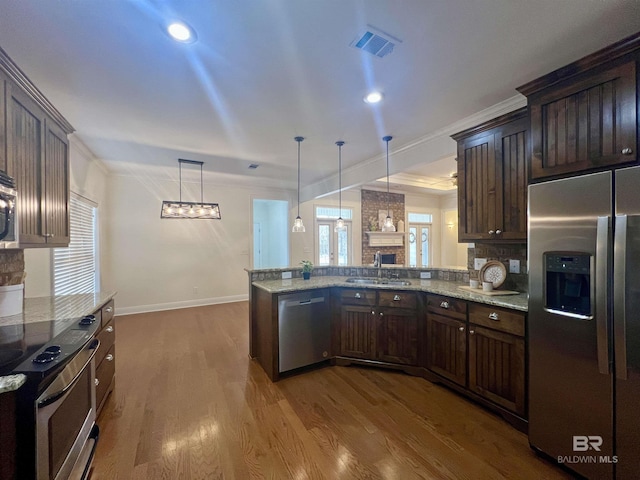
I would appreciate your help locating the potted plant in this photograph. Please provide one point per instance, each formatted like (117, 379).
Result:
(307, 268)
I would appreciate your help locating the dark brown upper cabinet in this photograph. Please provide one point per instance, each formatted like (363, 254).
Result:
(34, 149)
(584, 116)
(492, 180)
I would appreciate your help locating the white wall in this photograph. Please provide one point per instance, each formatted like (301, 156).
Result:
(273, 218)
(452, 253)
(162, 264)
(88, 177)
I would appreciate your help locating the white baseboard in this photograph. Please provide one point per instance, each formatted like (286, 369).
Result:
(158, 307)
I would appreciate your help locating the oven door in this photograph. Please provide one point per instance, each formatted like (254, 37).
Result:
(65, 416)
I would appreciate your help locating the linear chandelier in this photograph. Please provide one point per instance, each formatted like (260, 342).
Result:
(180, 209)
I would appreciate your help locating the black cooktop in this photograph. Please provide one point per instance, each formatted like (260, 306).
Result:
(50, 343)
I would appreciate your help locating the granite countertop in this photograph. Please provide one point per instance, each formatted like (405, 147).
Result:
(61, 309)
(58, 308)
(440, 287)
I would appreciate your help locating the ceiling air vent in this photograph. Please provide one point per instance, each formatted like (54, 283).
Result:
(376, 42)
(253, 166)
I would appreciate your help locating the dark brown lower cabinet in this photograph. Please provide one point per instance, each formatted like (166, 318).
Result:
(496, 367)
(447, 347)
(357, 332)
(397, 336)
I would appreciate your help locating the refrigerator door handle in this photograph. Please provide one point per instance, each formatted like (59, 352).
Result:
(619, 300)
(602, 267)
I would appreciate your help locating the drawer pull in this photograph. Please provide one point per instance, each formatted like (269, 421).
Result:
(444, 305)
(491, 232)
(357, 295)
(373, 312)
(109, 358)
(498, 232)
(396, 298)
(381, 314)
(472, 332)
(96, 381)
(109, 309)
(109, 329)
(627, 151)
(494, 316)
(461, 329)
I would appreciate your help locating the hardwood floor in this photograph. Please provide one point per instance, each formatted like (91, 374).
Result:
(190, 404)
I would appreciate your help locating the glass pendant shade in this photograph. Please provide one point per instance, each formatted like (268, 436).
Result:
(388, 226)
(298, 226)
(340, 222)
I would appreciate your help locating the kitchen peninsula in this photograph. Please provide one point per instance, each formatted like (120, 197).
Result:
(391, 318)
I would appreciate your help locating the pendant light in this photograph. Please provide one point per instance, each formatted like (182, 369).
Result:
(340, 222)
(388, 223)
(180, 209)
(298, 226)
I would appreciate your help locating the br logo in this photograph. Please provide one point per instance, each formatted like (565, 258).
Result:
(583, 443)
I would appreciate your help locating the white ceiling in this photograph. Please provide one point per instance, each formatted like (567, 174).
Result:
(264, 71)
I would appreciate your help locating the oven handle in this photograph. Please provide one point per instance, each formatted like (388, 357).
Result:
(69, 375)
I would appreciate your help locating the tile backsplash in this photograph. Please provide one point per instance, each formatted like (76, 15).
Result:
(503, 253)
(11, 266)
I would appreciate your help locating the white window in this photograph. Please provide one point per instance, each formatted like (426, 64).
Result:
(75, 268)
(419, 239)
(333, 248)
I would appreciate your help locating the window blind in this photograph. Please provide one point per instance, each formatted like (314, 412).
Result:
(74, 267)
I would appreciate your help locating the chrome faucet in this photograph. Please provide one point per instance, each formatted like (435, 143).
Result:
(377, 263)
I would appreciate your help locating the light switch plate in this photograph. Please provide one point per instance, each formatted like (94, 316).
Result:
(425, 275)
(478, 263)
(514, 266)
(286, 275)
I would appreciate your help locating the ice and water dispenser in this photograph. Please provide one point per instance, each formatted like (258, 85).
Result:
(568, 283)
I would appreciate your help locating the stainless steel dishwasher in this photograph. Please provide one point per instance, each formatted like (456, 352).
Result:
(304, 329)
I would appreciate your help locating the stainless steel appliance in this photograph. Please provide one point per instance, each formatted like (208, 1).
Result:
(8, 217)
(584, 322)
(304, 329)
(55, 411)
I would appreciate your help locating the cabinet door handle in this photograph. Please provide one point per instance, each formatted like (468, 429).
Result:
(381, 314)
(109, 309)
(461, 329)
(96, 381)
(373, 312)
(498, 232)
(444, 305)
(48, 235)
(396, 298)
(627, 151)
(491, 232)
(357, 295)
(109, 358)
(109, 329)
(472, 332)
(494, 316)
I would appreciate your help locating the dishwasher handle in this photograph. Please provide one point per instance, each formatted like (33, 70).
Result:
(309, 301)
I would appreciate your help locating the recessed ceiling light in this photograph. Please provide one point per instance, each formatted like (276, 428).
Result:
(373, 97)
(181, 32)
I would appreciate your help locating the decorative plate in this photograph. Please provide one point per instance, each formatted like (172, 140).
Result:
(494, 272)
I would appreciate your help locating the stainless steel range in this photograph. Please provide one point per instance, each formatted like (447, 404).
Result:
(56, 407)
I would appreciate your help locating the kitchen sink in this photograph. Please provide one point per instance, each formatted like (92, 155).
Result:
(377, 281)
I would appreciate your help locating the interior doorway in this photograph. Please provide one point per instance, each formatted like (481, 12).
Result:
(270, 233)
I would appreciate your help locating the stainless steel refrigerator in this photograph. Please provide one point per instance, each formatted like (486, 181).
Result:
(584, 322)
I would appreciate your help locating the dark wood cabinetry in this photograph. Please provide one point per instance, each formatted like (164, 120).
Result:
(357, 332)
(386, 329)
(584, 115)
(492, 180)
(106, 355)
(35, 151)
(480, 348)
